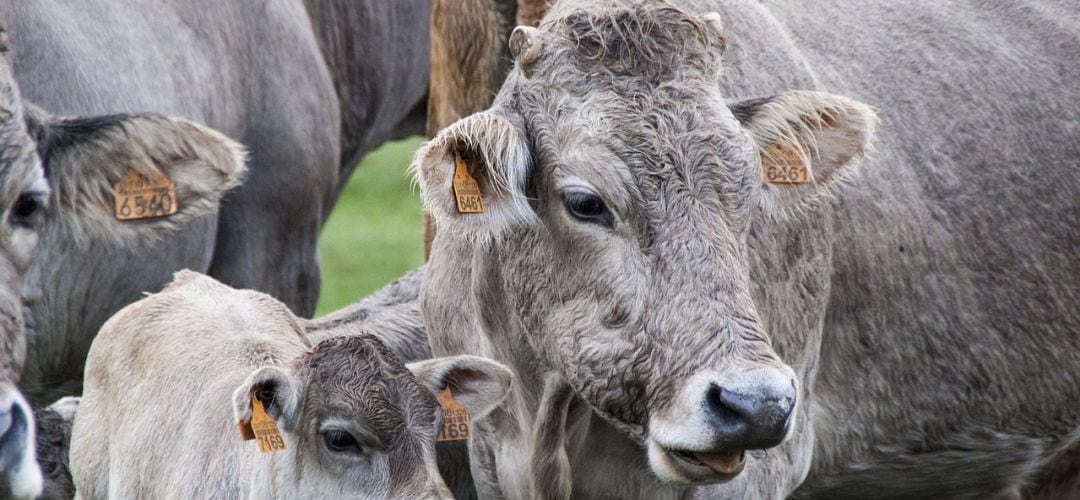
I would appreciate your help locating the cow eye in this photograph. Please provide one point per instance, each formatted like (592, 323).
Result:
(588, 207)
(28, 210)
(341, 442)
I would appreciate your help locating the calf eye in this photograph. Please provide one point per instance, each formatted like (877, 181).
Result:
(341, 442)
(588, 207)
(27, 209)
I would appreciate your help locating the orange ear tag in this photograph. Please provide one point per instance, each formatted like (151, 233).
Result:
(466, 190)
(262, 428)
(143, 196)
(782, 165)
(456, 424)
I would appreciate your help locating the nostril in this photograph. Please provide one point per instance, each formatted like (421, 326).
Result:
(5, 420)
(724, 405)
(751, 417)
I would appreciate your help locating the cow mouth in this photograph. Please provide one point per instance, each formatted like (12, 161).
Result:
(727, 463)
(686, 466)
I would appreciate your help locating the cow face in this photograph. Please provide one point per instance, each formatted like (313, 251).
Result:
(360, 424)
(619, 190)
(23, 196)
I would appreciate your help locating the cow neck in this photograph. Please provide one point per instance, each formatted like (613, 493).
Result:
(378, 65)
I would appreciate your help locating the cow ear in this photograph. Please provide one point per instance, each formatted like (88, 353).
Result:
(479, 384)
(279, 391)
(473, 174)
(807, 143)
(85, 158)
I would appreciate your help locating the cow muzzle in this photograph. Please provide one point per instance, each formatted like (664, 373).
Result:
(20, 476)
(703, 437)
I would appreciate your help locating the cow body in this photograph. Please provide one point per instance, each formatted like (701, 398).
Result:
(917, 299)
(308, 88)
(355, 421)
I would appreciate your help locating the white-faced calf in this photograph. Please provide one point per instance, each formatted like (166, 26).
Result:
(169, 377)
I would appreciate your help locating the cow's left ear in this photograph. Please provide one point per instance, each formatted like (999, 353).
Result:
(807, 142)
(155, 157)
(477, 383)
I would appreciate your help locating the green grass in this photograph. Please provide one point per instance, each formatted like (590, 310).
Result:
(375, 233)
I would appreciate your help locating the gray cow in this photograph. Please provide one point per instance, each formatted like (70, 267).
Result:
(71, 165)
(903, 328)
(169, 377)
(308, 87)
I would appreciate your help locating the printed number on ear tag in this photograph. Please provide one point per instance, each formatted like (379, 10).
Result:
(783, 165)
(456, 424)
(143, 196)
(263, 429)
(466, 190)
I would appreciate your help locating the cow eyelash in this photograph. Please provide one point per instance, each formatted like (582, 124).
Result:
(342, 442)
(588, 207)
(27, 210)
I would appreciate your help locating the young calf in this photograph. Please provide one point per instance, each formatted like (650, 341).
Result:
(169, 377)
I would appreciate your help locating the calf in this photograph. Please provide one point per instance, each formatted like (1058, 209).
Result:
(168, 377)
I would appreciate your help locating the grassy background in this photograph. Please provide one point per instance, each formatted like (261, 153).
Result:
(375, 233)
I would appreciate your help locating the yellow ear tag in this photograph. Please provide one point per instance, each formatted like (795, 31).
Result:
(467, 191)
(782, 165)
(262, 428)
(143, 196)
(456, 424)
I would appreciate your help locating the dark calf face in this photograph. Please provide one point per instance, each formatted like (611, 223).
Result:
(622, 186)
(359, 423)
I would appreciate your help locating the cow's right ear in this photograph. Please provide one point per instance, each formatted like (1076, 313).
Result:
(479, 384)
(279, 391)
(85, 159)
(473, 174)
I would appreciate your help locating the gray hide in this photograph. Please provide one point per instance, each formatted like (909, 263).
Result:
(309, 91)
(926, 304)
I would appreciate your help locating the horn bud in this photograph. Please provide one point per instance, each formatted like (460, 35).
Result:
(713, 22)
(525, 44)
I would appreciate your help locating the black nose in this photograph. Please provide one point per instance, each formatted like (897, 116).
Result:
(750, 417)
(14, 426)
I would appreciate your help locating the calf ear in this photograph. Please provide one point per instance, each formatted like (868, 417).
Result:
(85, 158)
(486, 151)
(479, 384)
(807, 142)
(278, 389)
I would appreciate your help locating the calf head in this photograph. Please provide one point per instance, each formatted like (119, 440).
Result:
(358, 423)
(619, 189)
(56, 185)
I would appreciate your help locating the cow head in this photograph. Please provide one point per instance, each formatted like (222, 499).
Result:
(56, 183)
(619, 189)
(359, 423)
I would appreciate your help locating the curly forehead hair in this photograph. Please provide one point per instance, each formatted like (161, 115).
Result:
(360, 353)
(649, 39)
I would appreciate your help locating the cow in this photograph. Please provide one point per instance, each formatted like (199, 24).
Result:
(182, 367)
(308, 86)
(58, 178)
(714, 276)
